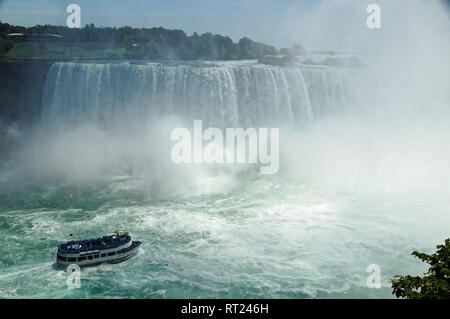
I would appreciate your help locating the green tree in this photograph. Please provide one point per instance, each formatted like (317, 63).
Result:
(145, 43)
(5, 46)
(436, 281)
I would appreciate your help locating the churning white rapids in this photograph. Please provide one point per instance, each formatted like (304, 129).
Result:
(364, 179)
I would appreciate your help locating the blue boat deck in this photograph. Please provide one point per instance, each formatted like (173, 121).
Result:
(105, 242)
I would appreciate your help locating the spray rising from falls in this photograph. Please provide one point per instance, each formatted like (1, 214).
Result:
(117, 118)
(335, 130)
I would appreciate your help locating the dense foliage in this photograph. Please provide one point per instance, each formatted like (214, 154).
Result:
(436, 282)
(147, 43)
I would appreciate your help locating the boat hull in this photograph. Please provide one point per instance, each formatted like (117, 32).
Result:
(120, 254)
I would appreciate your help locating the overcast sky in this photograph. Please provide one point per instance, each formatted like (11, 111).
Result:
(324, 24)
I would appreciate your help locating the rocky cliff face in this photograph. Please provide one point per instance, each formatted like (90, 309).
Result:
(21, 87)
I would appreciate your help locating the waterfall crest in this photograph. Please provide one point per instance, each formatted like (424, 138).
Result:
(223, 94)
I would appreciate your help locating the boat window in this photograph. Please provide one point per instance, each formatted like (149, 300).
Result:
(112, 253)
(90, 257)
(81, 258)
(72, 259)
(96, 256)
(103, 255)
(62, 258)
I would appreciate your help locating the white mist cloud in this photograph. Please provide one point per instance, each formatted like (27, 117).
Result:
(394, 139)
(341, 25)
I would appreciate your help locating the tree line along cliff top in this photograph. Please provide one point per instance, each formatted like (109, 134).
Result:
(91, 42)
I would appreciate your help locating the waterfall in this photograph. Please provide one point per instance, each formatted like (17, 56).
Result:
(223, 94)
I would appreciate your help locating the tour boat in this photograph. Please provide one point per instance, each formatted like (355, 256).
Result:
(91, 252)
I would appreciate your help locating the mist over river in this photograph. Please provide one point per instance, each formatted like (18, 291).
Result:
(363, 180)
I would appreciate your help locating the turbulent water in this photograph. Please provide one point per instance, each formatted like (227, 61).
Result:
(358, 184)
